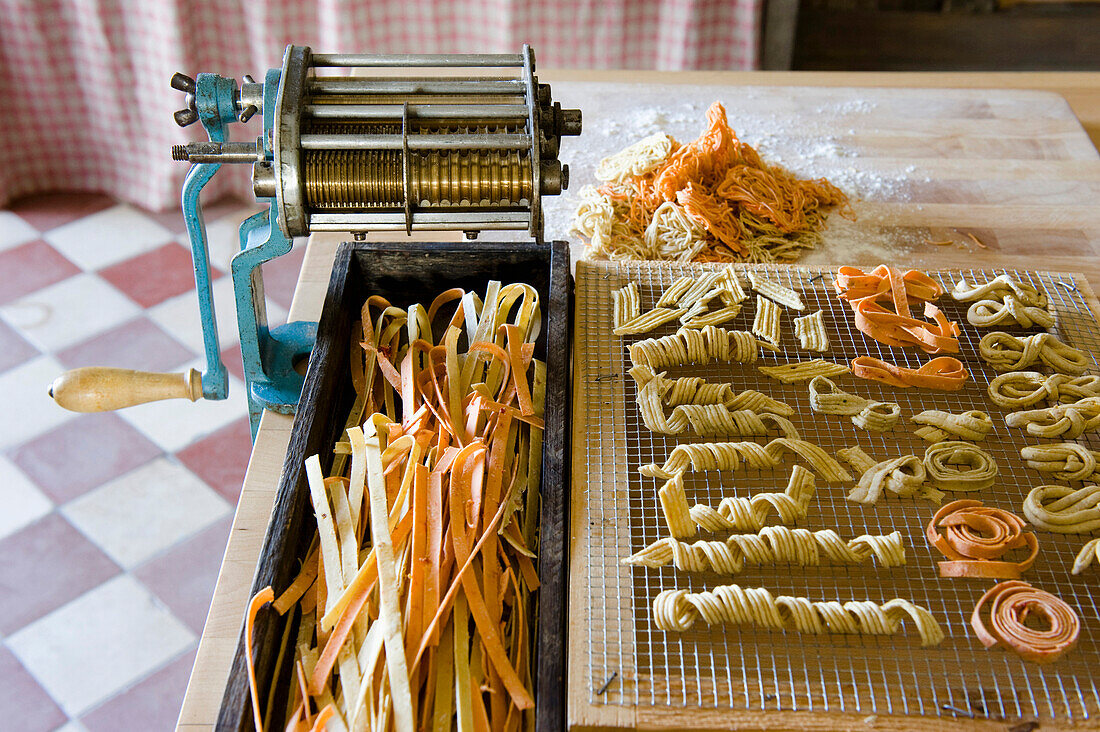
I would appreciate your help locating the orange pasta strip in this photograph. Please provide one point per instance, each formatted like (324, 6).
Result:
(301, 583)
(261, 598)
(897, 327)
(945, 373)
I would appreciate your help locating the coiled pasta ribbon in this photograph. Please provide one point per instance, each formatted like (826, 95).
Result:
(706, 419)
(679, 610)
(1013, 602)
(1063, 510)
(826, 397)
(696, 390)
(939, 425)
(975, 538)
(773, 545)
(1006, 352)
(944, 373)
(706, 456)
(1069, 421)
(897, 327)
(735, 513)
(690, 346)
(959, 466)
(1066, 460)
(1023, 388)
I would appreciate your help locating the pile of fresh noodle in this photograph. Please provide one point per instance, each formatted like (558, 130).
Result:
(711, 200)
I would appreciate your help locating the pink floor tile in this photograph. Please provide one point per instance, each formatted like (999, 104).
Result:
(24, 705)
(83, 453)
(30, 267)
(231, 357)
(44, 566)
(136, 344)
(151, 278)
(281, 275)
(221, 458)
(172, 219)
(152, 705)
(14, 350)
(45, 211)
(184, 576)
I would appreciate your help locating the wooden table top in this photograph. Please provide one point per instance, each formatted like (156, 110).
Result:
(222, 630)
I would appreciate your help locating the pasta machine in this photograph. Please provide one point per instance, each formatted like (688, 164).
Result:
(403, 143)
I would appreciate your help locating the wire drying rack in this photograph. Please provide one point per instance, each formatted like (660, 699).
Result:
(627, 661)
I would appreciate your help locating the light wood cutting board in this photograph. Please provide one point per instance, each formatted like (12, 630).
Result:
(1015, 168)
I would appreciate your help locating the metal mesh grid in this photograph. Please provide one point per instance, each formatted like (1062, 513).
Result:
(745, 668)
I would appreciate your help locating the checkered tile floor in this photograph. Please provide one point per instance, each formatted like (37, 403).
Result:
(113, 525)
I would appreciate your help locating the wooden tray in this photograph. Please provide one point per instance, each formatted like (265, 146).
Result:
(406, 273)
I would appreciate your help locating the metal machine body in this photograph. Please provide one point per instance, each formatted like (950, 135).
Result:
(468, 152)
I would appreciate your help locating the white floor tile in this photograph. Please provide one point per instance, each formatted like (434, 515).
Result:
(108, 237)
(69, 312)
(174, 424)
(72, 726)
(223, 239)
(24, 392)
(142, 513)
(179, 316)
(14, 231)
(98, 644)
(21, 500)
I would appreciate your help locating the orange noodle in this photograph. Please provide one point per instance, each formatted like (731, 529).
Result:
(743, 208)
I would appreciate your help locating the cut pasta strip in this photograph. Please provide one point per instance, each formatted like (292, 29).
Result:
(1068, 421)
(939, 425)
(810, 330)
(827, 398)
(790, 373)
(944, 373)
(648, 321)
(1063, 510)
(976, 538)
(679, 610)
(903, 476)
(1089, 553)
(772, 545)
(1051, 627)
(1024, 388)
(690, 346)
(705, 456)
(627, 305)
(959, 466)
(675, 291)
(866, 293)
(696, 390)
(1006, 352)
(714, 317)
(766, 322)
(785, 296)
(1066, 460)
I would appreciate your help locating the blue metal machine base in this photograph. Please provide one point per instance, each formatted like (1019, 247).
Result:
(269, 354)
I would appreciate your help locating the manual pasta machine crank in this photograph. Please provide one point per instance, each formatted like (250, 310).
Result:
(358, 153)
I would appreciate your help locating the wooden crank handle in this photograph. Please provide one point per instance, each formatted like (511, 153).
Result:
(103, 389)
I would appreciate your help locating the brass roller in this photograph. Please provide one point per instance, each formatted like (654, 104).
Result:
(344, 180)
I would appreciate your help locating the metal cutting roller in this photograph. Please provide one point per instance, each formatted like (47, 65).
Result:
(433, 143)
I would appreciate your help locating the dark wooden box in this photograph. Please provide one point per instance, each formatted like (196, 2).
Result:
(406, 273)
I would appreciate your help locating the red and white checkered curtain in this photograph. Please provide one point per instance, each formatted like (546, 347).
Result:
(84, 83)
